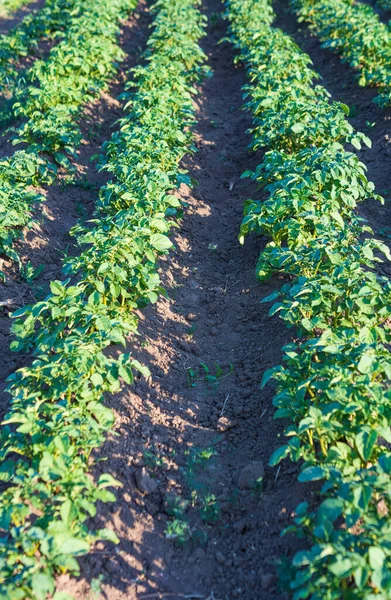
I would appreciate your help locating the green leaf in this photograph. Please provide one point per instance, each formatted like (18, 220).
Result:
(106, 480)
(361, 575)
(107, 535)
(75, 547)
(141, 368)
(42, 585)
(376, 557)
(311, 474)
(365, 441)
(97, 379)
(298, 127)
(56, 287)
(269, 374)
(278, 455)
(160, 242)
(342, 568)
(365, 363)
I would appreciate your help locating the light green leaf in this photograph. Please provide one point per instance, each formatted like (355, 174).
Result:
(160, 242)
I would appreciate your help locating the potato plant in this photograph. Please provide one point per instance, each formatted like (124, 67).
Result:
(57, 416)
(7, 7)
(333, 388)
(49, 22)
(384, 4)
(354, 31)
(75, 72)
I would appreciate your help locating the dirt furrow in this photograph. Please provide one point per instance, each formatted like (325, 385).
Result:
(200, 512)
(42, 249)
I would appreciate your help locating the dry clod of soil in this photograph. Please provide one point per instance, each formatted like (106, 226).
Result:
(250, 475)
(192, 317)
(224, 424)
(267, 579)
(243, 525)
(145, 483)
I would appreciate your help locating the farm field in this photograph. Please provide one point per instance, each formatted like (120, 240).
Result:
(191, 194)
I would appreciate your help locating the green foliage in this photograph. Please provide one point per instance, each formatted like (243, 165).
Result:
(177, 530)
(384, 4)
(211, 376)
(334, 385)
(50, 22)
(57, 416)
(76, 70)
(7, 7)
(354, 31)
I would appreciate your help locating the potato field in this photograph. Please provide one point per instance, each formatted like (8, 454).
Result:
(195, 299)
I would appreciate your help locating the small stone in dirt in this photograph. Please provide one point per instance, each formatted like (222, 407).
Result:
(192, 317)
(214, 331)
(152, 508)
(183, 346)
(225, 507)
(220, 557)
(243, 525)
(138, 461)
(195, 350)
(145, 483)
(266, 580)
(199, 554)
(250, 475)
(283, 514)
(111, 566)
(223, 424)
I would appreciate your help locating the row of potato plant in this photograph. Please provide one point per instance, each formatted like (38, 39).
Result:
(384, 4)
(47, 23)
(7, 7)
(355, 32)
(77, 69)
(57, 415)
(333, 387)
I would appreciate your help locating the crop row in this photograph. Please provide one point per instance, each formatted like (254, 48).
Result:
(7, 7)
(47, 23)
(76, 70)
(385, 4)
(354, 31)
(333, 388)
(57, 417)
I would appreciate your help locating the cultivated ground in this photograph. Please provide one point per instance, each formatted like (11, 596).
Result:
(190, 441)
